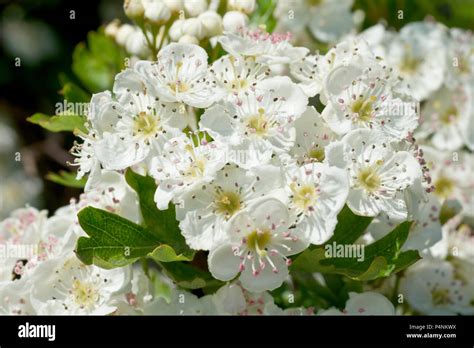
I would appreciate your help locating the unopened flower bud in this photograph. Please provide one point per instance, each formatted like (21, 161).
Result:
(136, 44)
(112, 28)
(195, 7)
(188, 39)
(175, 5)
(246, 6)
(234, 20)
(123, 33)
(176, 30)
(194, 27)
(212, 21)
(156, 11)
(133, 8)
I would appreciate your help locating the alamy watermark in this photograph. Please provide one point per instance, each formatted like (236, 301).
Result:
(350, 251)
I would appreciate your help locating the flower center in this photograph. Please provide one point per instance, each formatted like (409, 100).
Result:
(227, 203)
(441, 297)
(178, 87)
(409, 64)
(198, 164)
(369, 179)
(449, 116)
(258, 124)
(257, 241)
(83, 293)
(239, 84)
(363, 108)
(304, 197)
(316, 153)
(146, 124)
(443, 187)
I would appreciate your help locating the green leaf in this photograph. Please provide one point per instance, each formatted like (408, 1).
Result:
(116, 242)
(162, 223)
(66, 179)
(59, 123)
(349, 226)
(188, 276)
(96, 65)
(75, 94)
(381, 258)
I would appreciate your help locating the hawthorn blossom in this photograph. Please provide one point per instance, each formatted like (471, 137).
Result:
(205, 210)
(446, 117)
(311, 138)
(67, 286)
(432, 287)
(259, 243)
(182, 166)
(316, 194)
(181, 75)
(378, 174)
(259, 124)
(328, 20)
(450, 175)
(313, 70)
(357, 100)
(419, 57)
(235, 75)
(366, 303)
(265, 47)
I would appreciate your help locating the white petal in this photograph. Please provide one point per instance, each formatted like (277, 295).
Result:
(223, 264)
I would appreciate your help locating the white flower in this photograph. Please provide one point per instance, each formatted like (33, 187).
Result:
(432, 287)
(426, 229)
(66, 286)
(109, 191)
(359, 100)
(260, 123)
(313, 70)
(14, 298)
(205, 210)
(34, 239)
(266, 48)
(460, 58)
(418, 54)
(182, 165)
(328, 20)
(378, 175)
(451, 177)
(124, 132)
(311, 138)
(366, 303)
(259, 244)
(180, 75)
(235, 75)
(446, 115)
(137, 296)
(317, 193)
(233, 299)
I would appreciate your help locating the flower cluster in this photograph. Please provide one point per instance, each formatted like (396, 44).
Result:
(258, 151)
(159, 22)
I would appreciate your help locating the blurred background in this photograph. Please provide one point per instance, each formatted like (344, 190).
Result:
(37, 41)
